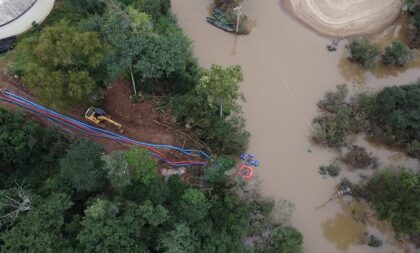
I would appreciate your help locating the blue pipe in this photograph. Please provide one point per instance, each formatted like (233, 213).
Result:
(160, 146)
(23, 102)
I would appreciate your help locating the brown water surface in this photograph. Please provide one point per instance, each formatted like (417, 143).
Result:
(287, 70)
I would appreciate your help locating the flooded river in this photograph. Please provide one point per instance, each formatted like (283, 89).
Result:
(287, 70)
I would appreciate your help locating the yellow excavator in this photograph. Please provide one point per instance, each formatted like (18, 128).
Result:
(98, 115)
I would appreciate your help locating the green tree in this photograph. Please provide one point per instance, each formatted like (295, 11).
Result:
(221, 87)
(25, 144)
(149, 54)
(157, 56)
(215, 172)
(397, 54)
(155, 8)
(193, 206)
(82, 166)
(116, 168)
(154, 215)
(217, 92)
(211, 109)
(61, 63)
(285, 240)
(107, 229)
(364, 52)
(40, 229)
(143, 167)
(179, 240)
(396, 113)
(396, 197)
(89, 6)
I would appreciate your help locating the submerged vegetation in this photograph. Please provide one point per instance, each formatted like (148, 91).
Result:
(390, 117)
(364, 52)
(413, 9)
(397, 54)
(368, 54)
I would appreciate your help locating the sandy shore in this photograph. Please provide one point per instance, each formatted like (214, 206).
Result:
(346, 17)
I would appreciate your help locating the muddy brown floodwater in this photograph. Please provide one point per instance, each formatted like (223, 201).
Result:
(287, 70)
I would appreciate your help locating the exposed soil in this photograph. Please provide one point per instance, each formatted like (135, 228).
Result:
(140, 121)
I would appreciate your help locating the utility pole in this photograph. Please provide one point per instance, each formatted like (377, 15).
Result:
(238, 11)
(133, 81)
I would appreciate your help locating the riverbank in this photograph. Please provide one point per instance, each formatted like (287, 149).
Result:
(338, 18)
(287, 72)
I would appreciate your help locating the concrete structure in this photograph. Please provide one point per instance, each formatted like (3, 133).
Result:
(17, 16)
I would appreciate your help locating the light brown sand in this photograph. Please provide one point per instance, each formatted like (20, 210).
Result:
(346, 17)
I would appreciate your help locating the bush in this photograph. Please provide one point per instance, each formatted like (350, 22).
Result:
(332, 170)
(338, 119)
(364, 52)
(397, 54)
(358, 158)
(334, 100)
(344, 184)
(155, 8)
(332, 130)
(414, 27)
(413, 149)
(285, 240)
(374, 241)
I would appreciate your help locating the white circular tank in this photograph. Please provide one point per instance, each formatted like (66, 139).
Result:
(13, 9)
(17, 16)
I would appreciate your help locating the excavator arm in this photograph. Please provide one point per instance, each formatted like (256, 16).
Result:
(104, 118)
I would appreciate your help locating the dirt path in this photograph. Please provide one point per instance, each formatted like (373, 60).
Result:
(346, 17)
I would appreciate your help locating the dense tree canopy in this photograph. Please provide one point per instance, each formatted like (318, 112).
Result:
(116, 168)
(211, 109)
(82, 166)
(396, 197)
(107, 229)
(397, 114)
(143, 214)
(60, 63)
(152, 49)
(41, 229)
(27, 145)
